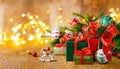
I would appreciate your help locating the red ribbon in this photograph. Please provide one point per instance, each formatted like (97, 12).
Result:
(80, 53)
(87, 51)
(84, 52)
(82, 37)
(90, 30)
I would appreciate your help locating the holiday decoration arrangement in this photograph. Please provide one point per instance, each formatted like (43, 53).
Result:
(87, 39)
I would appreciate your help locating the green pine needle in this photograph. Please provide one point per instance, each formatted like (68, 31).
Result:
(79, 15)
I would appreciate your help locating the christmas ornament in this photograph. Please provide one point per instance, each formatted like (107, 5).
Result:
(101, 57)
(55, 33)
(47, 49)
(68, 35)
(28, 52)
(106, 21)
(74, 21)
(107, 40)
(34, 54)
(64, 38)
(47, 54)
(80, 37)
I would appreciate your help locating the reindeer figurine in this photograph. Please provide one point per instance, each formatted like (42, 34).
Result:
(47, 53)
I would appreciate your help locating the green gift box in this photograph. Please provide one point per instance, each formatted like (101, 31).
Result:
(59, 50)
(86, 60)
(70, 49)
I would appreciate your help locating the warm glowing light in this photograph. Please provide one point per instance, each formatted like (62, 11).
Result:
(36, 17)
(17, 43)
(30, 17)
(43, 24)
(48, 34)
(39, 35)
(48, 11)
(33, 26)
(1, 42)
(115, 14)
(60, 8)
(5, 38)
(31, 37)
(117, 9)
(59, 17)
(11, 19)
(18, 34)
(40, 22)
(24, 32)
(37, 30)
(60, 21)
(32, 22)
(15, 29)
(46, 41)
(68, 20)
(14, 38)
(1, 36)
(23, 41)
(46, 28)
(23, 15)
(111, 10)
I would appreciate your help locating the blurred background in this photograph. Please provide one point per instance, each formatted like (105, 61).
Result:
(48, 10)
(22, 20)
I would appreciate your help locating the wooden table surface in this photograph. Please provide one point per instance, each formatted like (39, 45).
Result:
(20, 60)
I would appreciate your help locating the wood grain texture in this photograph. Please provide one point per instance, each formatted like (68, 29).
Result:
(20, 60)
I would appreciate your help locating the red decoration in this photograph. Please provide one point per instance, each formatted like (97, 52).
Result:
(80, 37)
(93, 44)
(63, 39)
(48, 49)
(85, 52)
(74, 21)
(69, 36)
(91, 32)
(59, 45)
(34, 54)
(106, 39)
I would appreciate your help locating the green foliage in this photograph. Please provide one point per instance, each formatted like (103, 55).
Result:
(118, 26)
(101, 30)
(117, 40)
(76, 28)
(62, 30)
(55, 41)
(88, 18)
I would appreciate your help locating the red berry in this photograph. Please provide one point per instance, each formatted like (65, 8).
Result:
(47, 49)
(34, 54)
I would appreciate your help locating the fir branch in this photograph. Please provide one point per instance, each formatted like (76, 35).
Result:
(79, 15)
(99, 16)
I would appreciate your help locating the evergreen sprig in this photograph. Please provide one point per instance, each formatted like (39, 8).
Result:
(87, 17)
